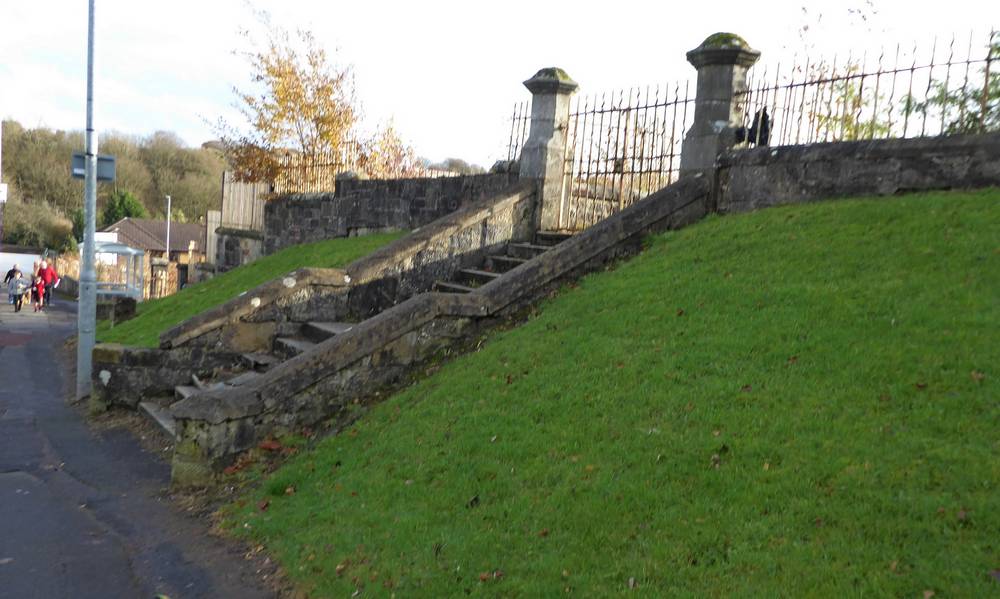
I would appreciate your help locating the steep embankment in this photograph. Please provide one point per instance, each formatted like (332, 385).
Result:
(156, 316)
(796, 401)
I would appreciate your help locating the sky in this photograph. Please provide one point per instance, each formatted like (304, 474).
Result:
(447, 73)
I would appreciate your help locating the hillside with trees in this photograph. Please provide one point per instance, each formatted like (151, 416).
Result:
(45, 203)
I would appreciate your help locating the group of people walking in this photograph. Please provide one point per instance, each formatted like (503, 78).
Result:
(37, 288)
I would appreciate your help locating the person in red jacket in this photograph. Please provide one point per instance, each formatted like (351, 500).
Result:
(39, 288)
(49, 279)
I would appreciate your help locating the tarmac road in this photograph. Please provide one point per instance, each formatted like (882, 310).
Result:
(84, 514)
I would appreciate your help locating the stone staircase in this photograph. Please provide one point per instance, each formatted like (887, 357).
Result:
(310, 334)
(494, 266)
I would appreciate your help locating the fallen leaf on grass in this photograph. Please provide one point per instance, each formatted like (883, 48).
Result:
(793, 360)
(928, 594)
(270, 445)
(543, 533)
(289, 490)
(746, 388)
(893, 565)
(921, 386)
(977, 376)
(263, 505)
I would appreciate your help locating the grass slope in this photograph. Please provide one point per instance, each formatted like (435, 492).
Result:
(800, 401)
(158, 315)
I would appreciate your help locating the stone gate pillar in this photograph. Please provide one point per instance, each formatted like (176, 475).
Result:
(722, 61)
(544, 154)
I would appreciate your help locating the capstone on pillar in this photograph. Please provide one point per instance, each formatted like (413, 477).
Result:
(722, 61)
(544, 154)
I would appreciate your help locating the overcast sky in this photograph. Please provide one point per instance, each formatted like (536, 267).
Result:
(447, 72)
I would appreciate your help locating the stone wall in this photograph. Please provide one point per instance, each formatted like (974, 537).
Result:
(366, 206)
(237, 247)
(124, 376)
(768, 176)
(383, 279)
(383, 352)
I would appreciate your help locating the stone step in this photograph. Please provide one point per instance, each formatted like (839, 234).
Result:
(259, 361)
(502, 264)
(526, 251)
(449, 287)
(476, 277)
(160, 415)
(319, 332)
(185, 391)
(242, 378)
(289, 347)
(551, 238)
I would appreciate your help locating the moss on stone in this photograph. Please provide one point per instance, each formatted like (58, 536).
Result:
(553, 73)
(724, 40)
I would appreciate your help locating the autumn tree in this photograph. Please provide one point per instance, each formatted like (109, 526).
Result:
(302, 104)
(387, 155)
(302, 116)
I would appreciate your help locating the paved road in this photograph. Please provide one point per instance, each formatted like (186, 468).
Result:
(83, 514)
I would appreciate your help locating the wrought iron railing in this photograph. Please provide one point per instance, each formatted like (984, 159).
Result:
(951, 87)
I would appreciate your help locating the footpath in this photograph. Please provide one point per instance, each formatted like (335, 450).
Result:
(84, 514)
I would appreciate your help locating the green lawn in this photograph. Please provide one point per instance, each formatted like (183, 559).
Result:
(801, 401)
(157, 316)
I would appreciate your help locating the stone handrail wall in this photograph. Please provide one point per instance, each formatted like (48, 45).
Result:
(250, 322)
(380, 353)
(258, 304)
(382, 279)
(366, 206)
(410, 265)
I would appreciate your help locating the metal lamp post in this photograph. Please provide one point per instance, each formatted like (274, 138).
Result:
(87, 308)
(168, 228)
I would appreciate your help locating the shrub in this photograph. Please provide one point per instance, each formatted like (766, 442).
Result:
(37, 225)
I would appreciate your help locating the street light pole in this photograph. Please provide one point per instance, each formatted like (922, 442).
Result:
(87, 308)
(168, 228)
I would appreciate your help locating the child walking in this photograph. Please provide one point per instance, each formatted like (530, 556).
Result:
(16, 288)
(39, 288)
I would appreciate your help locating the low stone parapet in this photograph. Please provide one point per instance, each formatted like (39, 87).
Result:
(123, 376)
(762, 177)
